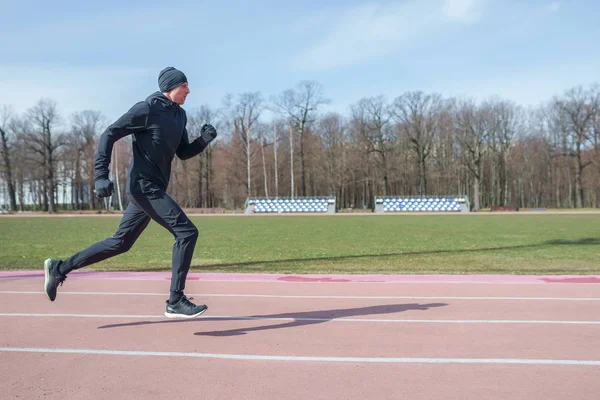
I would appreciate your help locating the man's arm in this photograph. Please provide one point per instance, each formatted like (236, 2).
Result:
(188, 150)
(132, 121)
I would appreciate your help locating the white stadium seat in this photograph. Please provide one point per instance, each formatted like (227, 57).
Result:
(399, 204)
(312, 205)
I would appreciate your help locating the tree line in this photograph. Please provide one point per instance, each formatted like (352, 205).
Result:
(496, 152)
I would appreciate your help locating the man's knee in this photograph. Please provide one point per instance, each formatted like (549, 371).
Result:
(188, 233)
(126, 245)
(120, 244)
(193, 233)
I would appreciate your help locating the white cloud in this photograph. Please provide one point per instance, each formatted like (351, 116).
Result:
(462, 10)
(373, 30)
(554, 6)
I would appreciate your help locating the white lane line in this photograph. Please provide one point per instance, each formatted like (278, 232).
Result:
(266, 318)
(277, 296)
(252, 357)
(335, 282)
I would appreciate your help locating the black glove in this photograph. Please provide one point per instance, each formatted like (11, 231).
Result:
(208, 133)
(104, 187)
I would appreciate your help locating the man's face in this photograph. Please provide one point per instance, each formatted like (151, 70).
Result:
(179, 94)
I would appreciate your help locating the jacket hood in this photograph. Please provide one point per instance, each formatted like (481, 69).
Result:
(159, 98)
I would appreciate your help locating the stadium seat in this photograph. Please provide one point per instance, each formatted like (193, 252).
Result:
(436, 204)
(303, 205)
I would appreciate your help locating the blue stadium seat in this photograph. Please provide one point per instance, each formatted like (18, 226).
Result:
(312, 205)
(398, 204)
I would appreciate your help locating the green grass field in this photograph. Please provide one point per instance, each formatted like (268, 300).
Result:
(454, 244)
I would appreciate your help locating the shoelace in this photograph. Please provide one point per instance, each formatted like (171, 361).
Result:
(61, 279)
(186, 300)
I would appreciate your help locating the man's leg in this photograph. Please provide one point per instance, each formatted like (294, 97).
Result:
(166, 212)
(133, 223)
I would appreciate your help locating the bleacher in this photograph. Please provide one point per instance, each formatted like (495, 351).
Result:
(289, 205)
(424, 203)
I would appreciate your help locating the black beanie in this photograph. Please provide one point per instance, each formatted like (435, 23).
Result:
(169, 78)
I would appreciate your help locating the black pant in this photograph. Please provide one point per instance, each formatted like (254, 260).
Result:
(164, 210)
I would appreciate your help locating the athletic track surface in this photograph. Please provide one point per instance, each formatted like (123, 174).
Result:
(302, 337)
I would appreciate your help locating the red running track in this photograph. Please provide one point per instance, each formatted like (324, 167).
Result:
(308, 337)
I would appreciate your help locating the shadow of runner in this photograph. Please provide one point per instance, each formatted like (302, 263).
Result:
(298, 318)
(318, 317)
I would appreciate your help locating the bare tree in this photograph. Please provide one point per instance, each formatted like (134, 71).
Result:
(25, 167)
(576, 109)
(333, 132)
(472, 132)
(507, 121)
(6, 120)
(244, 115)
(204, 115)
(374, 115)
(43, 140)
(86, 127)
(364, 170)
(263, 140)
(596, 155)
(549, 122)
(292, 187)
(418, 115)
(300, 105)
(444, 167)
(275, 163)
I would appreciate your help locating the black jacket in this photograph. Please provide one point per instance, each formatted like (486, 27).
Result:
(158, 126)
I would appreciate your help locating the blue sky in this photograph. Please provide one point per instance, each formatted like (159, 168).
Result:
(106, 55)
